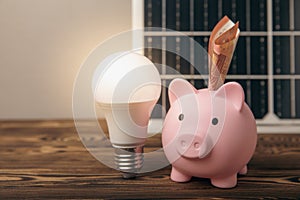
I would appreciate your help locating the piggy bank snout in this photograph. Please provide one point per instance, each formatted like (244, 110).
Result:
(189, 146)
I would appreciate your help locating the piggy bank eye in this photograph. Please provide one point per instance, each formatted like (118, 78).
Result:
(181, 117)
(214, 121)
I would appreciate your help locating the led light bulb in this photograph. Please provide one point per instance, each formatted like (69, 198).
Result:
(126, 87)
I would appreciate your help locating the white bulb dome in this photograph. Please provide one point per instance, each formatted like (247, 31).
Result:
(126, 77)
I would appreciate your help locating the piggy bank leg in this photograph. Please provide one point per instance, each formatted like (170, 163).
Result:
(244, 170)
(227, 182)
(178, 176)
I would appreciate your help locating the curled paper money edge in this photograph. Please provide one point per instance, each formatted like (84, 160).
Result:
(220, 54)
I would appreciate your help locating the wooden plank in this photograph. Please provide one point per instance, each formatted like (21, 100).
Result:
(46, 159)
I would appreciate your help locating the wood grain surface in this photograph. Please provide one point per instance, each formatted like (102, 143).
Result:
(46, 160)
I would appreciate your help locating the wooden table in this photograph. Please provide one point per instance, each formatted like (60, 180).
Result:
(46, 159)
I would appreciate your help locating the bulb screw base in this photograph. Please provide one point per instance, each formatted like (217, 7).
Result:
(129, 160)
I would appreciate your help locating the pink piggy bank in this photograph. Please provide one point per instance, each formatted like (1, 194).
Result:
(208, 134)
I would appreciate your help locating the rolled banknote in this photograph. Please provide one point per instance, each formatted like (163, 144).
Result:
(221, 47)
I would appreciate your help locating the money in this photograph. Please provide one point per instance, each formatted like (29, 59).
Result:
(221, 47)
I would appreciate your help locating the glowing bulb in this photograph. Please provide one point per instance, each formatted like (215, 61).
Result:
(126, 87)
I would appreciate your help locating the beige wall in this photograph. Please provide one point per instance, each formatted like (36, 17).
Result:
(42, 45)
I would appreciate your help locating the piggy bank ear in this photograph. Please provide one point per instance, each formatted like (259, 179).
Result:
(233, 93)
(179, 87)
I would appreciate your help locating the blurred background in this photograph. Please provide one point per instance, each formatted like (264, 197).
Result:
(44, 42)
(42, 45)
